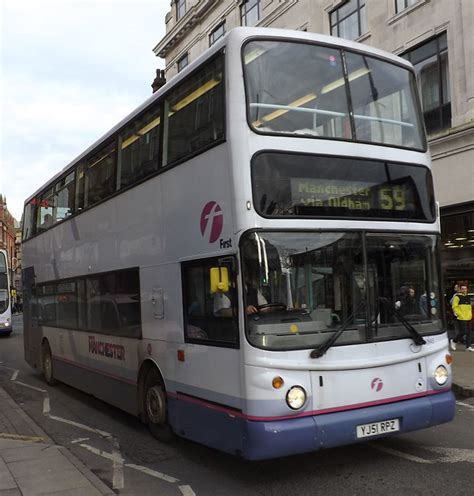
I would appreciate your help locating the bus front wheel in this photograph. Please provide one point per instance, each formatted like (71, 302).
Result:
(155, 407)
(47, 364)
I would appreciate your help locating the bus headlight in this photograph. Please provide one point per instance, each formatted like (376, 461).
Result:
(296, 397)
(441, 375)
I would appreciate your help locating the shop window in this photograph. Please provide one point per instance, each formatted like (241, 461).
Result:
(457, 232)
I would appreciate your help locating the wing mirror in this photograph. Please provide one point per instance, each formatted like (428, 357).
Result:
(219, 279)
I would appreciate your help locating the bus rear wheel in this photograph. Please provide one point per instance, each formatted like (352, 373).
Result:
(47, 364)
(155, 407)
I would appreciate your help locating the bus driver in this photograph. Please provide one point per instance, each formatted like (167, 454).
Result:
(254, 298)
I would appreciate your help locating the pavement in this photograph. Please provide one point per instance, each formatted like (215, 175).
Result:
(32, 464)
(463, 371)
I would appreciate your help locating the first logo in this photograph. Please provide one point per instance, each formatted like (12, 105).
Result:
(212, 221)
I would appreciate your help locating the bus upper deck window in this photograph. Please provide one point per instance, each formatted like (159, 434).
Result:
(308, 98)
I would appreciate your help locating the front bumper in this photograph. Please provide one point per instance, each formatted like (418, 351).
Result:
(272, 439)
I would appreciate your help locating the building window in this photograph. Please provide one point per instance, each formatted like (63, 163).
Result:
(250, 12)
(180, 9)
(183, 62)
(349, 20)
(217, 33)
(431, 66)
(403, 4)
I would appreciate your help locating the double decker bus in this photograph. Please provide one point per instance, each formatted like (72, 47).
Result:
(5, 297)
(250, 260)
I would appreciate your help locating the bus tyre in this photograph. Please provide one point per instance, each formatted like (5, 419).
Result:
(154, 407)
(47, 364)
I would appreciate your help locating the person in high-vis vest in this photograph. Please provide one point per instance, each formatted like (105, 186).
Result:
(462, 310)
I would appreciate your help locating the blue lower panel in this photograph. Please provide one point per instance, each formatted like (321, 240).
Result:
(272, 439)
(213, 428)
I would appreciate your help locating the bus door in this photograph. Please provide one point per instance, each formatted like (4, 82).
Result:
(211, 371)
(32, 335)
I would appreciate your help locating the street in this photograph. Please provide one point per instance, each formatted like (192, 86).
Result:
(121, 452)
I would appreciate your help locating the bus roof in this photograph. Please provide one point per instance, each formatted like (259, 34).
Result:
(240, 34)
(236, 36)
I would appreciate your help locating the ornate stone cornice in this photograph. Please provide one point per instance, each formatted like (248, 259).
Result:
(192, 17)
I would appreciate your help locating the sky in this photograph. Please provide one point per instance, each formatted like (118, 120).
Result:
(69, 71)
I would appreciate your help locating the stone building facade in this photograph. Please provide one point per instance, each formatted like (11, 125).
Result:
(435, 35)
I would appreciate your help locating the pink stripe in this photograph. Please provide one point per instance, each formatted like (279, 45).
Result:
(355, 406)
(96, 371)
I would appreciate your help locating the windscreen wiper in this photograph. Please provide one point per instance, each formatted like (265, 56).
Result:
(416, 336)
(321, 350)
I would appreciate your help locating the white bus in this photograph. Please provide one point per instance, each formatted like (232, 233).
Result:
(251, 258)
(5, 297)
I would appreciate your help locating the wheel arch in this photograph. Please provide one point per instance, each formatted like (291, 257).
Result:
(145, 367)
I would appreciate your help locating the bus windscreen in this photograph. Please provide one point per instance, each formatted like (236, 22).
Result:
(307, 90)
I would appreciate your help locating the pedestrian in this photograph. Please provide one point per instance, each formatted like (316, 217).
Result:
(449, 295)
(450, 292)
(462, 310)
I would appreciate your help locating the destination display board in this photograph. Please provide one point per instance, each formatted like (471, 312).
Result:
(302, 185)
(352, 195)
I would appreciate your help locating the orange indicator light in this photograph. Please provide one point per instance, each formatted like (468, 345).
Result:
(277, 382)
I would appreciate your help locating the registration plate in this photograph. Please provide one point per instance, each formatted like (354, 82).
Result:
(378, 428)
